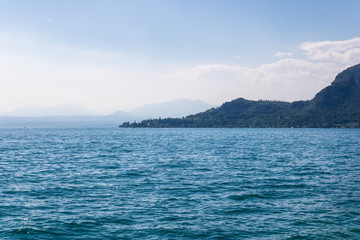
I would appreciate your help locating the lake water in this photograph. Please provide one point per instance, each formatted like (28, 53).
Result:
(179, 183)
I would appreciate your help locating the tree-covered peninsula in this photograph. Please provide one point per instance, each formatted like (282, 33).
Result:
(337, 105)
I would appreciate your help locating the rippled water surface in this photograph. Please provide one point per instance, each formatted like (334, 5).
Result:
(179, 183)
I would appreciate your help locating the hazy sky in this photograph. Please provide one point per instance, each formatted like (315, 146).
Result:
(110, 55)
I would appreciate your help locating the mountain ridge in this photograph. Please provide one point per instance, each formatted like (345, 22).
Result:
(176, 108)
(70, 115)
(337, 105)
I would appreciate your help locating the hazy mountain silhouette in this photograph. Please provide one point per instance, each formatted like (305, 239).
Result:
(175, 108)
(62, 116)
(337, 105)
(77, 116)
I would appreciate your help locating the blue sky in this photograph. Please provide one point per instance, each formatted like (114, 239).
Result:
(109, 55)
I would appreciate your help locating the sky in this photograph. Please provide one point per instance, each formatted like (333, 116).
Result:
(110, 55)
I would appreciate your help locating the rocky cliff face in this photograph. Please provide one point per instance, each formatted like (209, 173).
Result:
(343, 95)
(349, 76)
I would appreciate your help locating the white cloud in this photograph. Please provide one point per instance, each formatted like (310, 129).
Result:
(343, 52)
(49, 20)
(37, 74)
(283, 54)
(287, 79)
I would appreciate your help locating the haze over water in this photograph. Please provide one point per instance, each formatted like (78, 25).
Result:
(179, 183)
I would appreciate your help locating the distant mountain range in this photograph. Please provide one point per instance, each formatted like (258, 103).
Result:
(337, 105)
(77, 116)
(176, 108)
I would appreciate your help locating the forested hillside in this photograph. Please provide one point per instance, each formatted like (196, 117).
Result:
(337, 105)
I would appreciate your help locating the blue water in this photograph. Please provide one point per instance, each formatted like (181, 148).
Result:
(179, 183)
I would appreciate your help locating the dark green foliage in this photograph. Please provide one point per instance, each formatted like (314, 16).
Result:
(337, 105)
